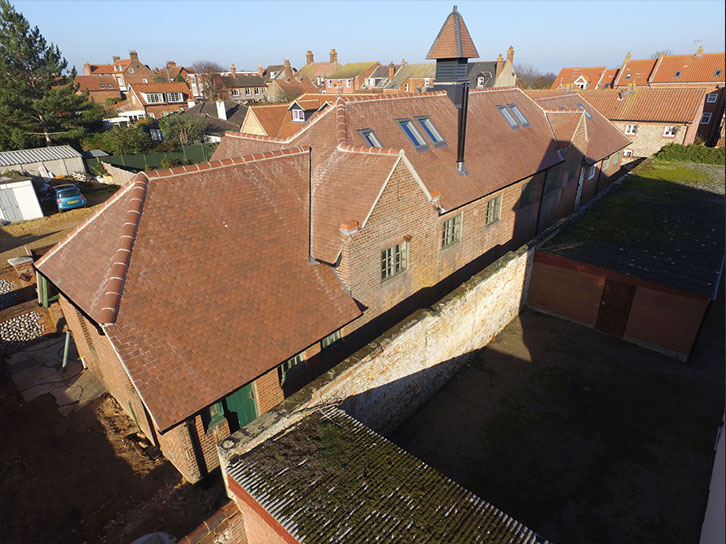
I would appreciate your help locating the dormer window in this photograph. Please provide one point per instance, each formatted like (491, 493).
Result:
(480, 81)
(508, 116)
(103, 86)
(154, 98)
(298, 116)
(432, 132)
(174, 97)
(146, 80)
(628, 76)
(370, 137)
(519, 115)
(678, 74)
(413, 134)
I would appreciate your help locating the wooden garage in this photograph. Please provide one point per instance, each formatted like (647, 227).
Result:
(643, 264)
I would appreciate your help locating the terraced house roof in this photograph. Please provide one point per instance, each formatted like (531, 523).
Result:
(330, 479)
(352, 69)
(690, 69)
(682, 105)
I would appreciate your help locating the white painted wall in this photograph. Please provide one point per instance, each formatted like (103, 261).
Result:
(26, 197)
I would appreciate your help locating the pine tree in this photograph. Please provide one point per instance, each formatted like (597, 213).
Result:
(39, 100)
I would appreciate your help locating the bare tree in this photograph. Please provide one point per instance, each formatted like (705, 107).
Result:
(530, 77)
(661, 52)
(210, 73)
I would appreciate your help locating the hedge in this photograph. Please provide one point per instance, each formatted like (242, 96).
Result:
(691, 153)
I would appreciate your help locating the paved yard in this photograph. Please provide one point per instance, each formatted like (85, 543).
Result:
(579, 435)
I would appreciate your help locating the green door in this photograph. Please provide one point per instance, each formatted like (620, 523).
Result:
(240, 407)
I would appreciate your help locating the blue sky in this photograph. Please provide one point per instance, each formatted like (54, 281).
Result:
(548, 35)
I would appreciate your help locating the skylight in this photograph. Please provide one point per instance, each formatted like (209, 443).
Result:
(432, 132)
(519, 115)
(370, 137)
(628, 76)
(508, 117)
(718, 73)
(587, 113)
(678, 74)
(413, 134)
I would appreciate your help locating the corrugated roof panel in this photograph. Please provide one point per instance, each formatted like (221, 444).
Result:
(40, 154)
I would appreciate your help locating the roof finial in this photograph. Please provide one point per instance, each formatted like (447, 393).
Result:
(454, 7)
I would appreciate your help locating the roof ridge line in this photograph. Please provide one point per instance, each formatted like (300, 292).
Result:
(390, 151)
(122, 256)
(492, 89)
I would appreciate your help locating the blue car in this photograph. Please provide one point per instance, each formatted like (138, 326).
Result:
(68, 197)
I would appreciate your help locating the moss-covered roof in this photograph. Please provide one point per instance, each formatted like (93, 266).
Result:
(350, 70)
(665, 224)
(329, 478)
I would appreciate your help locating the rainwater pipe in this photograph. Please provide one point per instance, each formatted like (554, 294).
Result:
(65, 351)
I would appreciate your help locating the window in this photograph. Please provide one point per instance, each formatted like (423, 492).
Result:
(432, 132)
(248, 91)
(291, 367)
(591, 173)
(347, 82)
(480, 81)
(131, 70)
(508, 117)
(606, 164)
(406, 87)
(413, 134)
(154, 98)
(298, 116)
(678, 74)
(212, 415)
(235, 92)
(330, 83)
(718, 73)
(587, 113)
(711, 98)
(330, 340)
(155, 134)
(394, 261)
(174, 97)
(628, 153)
(494, 210)
(628, 76)
(631, 129)
(706, 119)
(670, 132)
(257, 90)
(452, 232)
(146, 80)
(370, 138)
(103, 86)
(519, 115)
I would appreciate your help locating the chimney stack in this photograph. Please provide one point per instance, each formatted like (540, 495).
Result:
(170, 64)
(333, 56)
(309, 57)
(221, 110)
(510, 55)
(699, 51)
(260, 71)
(288, 70)
(234, 71)
(391, 71)
(116, 59)
(134, 56)
(500, 65)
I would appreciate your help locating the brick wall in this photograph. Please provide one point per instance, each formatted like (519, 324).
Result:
(268, 392)
(225, 526)
(648, 138)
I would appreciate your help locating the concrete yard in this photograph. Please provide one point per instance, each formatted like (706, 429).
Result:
(581, 436)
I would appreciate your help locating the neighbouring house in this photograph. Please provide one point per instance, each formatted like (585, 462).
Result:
(18, 199)
(291, 250)
(281, 90)
(172, 72)
(316, 72)
(103, 90)
(245, 87)
(643, 264)
(154, 100)
(220, 117)
(56, 160)
(350, 78)
(682, 71)
(498, 73)
(650, 117)
(273, 71)
(282, 120)
(408, 77)
(124, 71)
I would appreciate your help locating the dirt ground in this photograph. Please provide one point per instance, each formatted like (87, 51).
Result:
(79, 478)
(581, 436)
(49, 229)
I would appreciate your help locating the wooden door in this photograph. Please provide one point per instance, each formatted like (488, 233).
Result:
(240, 407)
(617, 299)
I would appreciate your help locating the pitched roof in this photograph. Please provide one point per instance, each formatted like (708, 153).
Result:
(681, 105)
(407, 71)
(101, 68)
(328, 478)
(163, 87)
(317, 69)
(692, 68)
(351, 70)
(453, 40)
(243, 296)
(244, 80)
(25, 156)
(568, 76)
(208, 110)
(487, 69)
(564, 124)
(97, 83)
(302, 87)
(635, 71)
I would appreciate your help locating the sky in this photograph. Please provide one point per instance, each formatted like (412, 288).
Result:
(548, 35)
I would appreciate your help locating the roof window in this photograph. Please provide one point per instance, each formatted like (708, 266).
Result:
(508, 117)
(432, 132)
(519, 115)
(370, 137)
(587, 113)
(628, 76)
(718, 73)
(678, 74)
(413, 134)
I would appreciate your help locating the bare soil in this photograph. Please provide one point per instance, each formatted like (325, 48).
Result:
(81, 478)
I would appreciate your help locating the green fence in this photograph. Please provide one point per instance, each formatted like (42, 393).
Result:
(189, 154)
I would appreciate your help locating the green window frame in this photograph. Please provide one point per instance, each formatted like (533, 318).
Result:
(606, 164)
(331, 340)
(451, 233)
(292, 367)
(494, 210)
(394, 261)
(212, 415)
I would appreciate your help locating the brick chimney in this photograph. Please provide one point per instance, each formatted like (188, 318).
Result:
(510, 55)
(333, 56)
(288, 70)
(627, 58)
(260, 71)
(234, 71)
(699, 51)
(170, 64)
(309, 57)
(391, 71)
(134, 56)
(500, 64)
(116, 58)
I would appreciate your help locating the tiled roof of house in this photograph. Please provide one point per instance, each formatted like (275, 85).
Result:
(301, 87)
(102, 68)
(317, 69)
(486, 69)
(673, 235)
(233, 82)
(635, 71)
(608, 78)
(163, 87)
(352, 69)
(201, 278)
(681, 105)
(568, 76)
(564, 124)
(453, 40)
(97, 83)
(692, 68)
(330, 479)
(407, 71)
(208, 111)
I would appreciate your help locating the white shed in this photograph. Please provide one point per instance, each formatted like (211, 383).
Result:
(18, 200)
(61, 160)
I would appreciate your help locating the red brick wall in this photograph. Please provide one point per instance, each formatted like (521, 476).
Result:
(225, 526)
(260, 526)
(665, 319)
(268, 392)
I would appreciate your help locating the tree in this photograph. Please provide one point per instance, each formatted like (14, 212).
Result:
(129, 139)
(661, 52)
(530, 77)
(39, 100)
(213, 84)
(183, 129)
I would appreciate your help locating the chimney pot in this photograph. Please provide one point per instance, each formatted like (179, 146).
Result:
(333, 56)
(260, 71)
(234, 70)
(116, 59)
(627, 57)
(510, 55)
(134, 56)
(309, 57)
(699, 51)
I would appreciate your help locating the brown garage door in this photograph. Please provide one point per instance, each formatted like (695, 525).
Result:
(617, 298)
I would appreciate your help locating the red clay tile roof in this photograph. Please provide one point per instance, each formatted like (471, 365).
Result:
(638, 70)
(270, 116)
(317, 69)
(693, 69)
(682, 105)
(608, 78)
(453, 40)
(568, 76)
(93, 83)
(165, 87)
(564, 124)
(218, 288)
(303, 86)
(101, 68)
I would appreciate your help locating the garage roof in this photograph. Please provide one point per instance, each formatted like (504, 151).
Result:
(40, 154)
